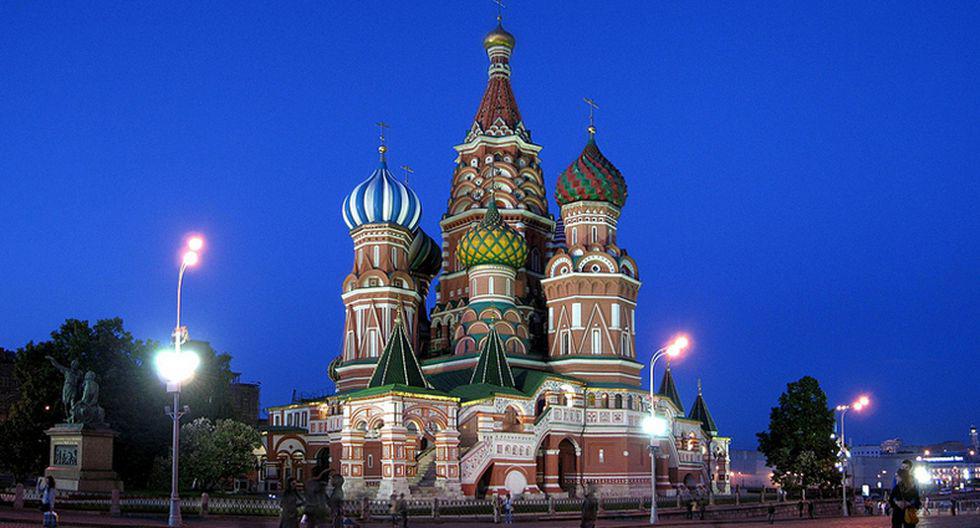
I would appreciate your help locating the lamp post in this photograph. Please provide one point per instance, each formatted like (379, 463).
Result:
(175, 367)
(652, 424)
(858, 404)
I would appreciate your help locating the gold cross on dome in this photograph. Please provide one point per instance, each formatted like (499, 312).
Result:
(381, 128)
(382, 148)
(408, 170)
(500, 9)
(592, 108)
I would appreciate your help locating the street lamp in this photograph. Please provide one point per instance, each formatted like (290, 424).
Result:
(651, 425)
(176, 367)
(857, 405)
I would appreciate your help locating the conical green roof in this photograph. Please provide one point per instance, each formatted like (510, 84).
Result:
(492, 368)
(669, 390)
(700, 413)
(398, 364)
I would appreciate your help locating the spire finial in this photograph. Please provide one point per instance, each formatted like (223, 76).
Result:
(500, 11)
(408, 170)
(382, 148)
(699, 386)
(592, 108)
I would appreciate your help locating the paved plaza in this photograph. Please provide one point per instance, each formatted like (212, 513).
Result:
(26, 518)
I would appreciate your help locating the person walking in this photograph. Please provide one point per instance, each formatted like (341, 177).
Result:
(289, 504)
(772, 513)
(809, 508)
(904, 500)
(47, 489)
(590, 508)
(403, 510)
(393, 510)
(508, 509)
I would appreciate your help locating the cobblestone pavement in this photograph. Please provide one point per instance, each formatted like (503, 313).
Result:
(24, 519)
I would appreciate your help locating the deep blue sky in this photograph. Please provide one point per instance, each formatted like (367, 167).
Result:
(802, 176)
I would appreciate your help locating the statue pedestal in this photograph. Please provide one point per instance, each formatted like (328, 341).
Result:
(81, 458)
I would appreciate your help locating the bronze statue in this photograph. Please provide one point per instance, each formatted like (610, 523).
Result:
(69, 391)
(84, 409)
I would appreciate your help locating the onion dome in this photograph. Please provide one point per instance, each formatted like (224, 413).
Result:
(591, 177)
(424, 255)
(492, 241)
(499, 37)
(381, 199)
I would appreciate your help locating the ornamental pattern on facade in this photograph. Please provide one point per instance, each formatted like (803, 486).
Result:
(543, 306)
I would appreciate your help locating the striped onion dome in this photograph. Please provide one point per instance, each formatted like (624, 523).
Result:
(492, 241)
(592, 178)
(424, 255)
(381, 199)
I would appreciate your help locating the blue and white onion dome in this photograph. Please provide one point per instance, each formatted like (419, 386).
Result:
(381, 199)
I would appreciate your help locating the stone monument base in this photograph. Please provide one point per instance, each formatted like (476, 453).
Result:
(81, 458)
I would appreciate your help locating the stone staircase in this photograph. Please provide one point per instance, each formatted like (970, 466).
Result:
(423, 483)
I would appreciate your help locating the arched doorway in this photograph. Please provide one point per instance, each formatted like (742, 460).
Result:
(567, 467)
(483, 485)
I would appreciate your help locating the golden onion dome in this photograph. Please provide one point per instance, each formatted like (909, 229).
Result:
(492, 241)
(498, 37)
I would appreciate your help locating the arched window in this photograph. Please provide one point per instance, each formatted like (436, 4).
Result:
(605, 401)
(590, 400)
(629, 402)
(618, 401)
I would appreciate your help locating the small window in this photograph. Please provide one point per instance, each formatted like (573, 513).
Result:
(595, 234)
(574, 236)
(602, 456)
(618, 401)
(590, 400)
(490, 287)
(377, 256)
(370, 461)
(566, 343)
(373, 343)
(596, 341)
(374, 283)
(394, 258)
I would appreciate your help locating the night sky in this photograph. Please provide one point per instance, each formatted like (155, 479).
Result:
(802, 177)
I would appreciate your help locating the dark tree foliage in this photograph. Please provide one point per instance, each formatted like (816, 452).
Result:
(798, 445)
(131, 393)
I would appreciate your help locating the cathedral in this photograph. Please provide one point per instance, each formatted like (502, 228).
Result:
(524, 376)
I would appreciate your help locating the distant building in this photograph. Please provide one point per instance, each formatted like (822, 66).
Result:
(749, 469)
(950, 464)
(245, 400)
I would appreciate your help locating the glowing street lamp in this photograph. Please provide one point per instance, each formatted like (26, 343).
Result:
(176, 367)
(858, 404)
(654, 425)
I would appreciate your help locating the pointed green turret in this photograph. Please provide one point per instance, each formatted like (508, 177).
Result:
(669, 390)
(700, 413)
(492, 368)
(398, 364)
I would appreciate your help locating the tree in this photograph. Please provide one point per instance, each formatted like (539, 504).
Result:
(212, 453)
(799, 444)
(131, 393)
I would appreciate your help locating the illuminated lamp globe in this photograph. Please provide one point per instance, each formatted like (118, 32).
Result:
(922, 475)
(864, 401)
(174, 367)
(191, 258)
(655, 426)
(195, 243)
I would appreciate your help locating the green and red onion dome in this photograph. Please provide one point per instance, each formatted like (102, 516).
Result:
(591, 178)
